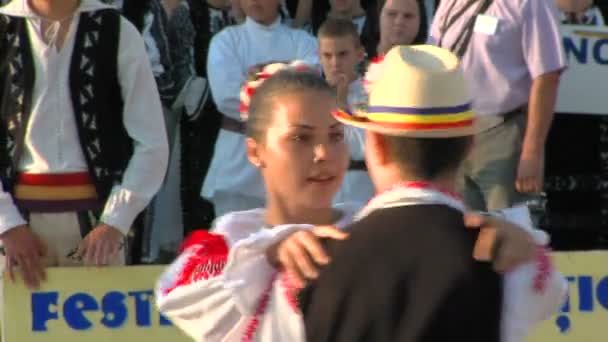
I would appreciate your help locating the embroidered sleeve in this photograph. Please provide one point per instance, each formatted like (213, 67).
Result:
(203, 256)
(534, 291)
(248, 271)
(191, 292)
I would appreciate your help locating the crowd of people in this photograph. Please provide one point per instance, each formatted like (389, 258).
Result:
(126, 125)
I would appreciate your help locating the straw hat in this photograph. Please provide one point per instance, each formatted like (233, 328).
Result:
(418, 91)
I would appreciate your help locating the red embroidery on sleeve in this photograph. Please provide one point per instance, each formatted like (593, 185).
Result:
(254, 323)
(207, 254)
(543, 270)
(291, 290)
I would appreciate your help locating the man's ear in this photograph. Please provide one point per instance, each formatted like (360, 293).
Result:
(254, 152)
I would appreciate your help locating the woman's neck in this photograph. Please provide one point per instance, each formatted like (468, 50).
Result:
(54, 9)
(281, 213)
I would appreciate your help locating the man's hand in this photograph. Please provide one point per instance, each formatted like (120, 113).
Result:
(301, 253)
(500, 241)
(24, 249)
(530, 173)
(101, 245)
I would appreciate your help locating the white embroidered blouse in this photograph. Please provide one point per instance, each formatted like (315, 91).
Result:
(243, 298)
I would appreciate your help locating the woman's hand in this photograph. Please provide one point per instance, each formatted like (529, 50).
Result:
(504, 243)
(302, 254)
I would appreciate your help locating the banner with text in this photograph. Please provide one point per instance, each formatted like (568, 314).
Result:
(117, 304)
(583, 86)
(88, 304)
(584, 316)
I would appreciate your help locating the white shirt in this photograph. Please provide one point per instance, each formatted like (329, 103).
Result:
(357, 187)
(222, 307)
(52, 144)
(231, 53)
(359, 23)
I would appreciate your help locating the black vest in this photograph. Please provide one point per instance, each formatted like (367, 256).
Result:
(95, 93)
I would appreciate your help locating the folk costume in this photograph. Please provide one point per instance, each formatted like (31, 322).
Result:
(421, 284)
(82, 137)
(222, 287)
(232, 183)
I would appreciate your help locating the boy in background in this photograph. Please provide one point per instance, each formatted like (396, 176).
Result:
(340, 54)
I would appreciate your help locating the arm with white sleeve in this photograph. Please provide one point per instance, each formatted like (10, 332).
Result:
(144, 122)
(213, 286)
(9, 214)
(534, 291)
(225, 73)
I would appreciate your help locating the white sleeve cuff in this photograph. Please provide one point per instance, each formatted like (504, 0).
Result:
(9, 214)
(121, 209)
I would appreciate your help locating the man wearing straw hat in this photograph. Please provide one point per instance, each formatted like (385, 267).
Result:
(406, 273)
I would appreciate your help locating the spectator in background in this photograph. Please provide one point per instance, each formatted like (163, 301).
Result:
(294, 13)
(154, 31)
(150, 17)
(340, 53)
(363, 13)
(167, 229)
(582, 12)
(402, 22)
(341, 9)
(233, 183)
(83, 147)
(199, 133)
(512, 59)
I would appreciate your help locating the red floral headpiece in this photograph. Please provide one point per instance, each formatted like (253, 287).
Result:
(266, 72)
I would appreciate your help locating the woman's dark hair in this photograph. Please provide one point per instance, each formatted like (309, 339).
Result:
(284, 82)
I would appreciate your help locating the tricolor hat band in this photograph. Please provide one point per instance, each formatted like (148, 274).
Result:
(434, 115)
(412, 125)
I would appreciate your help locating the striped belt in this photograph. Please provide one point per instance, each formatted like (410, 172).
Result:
(46, 193)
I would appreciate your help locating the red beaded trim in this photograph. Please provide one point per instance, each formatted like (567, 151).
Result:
(291, 290)
(206, 255)
(254, 323)
(544, 269)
